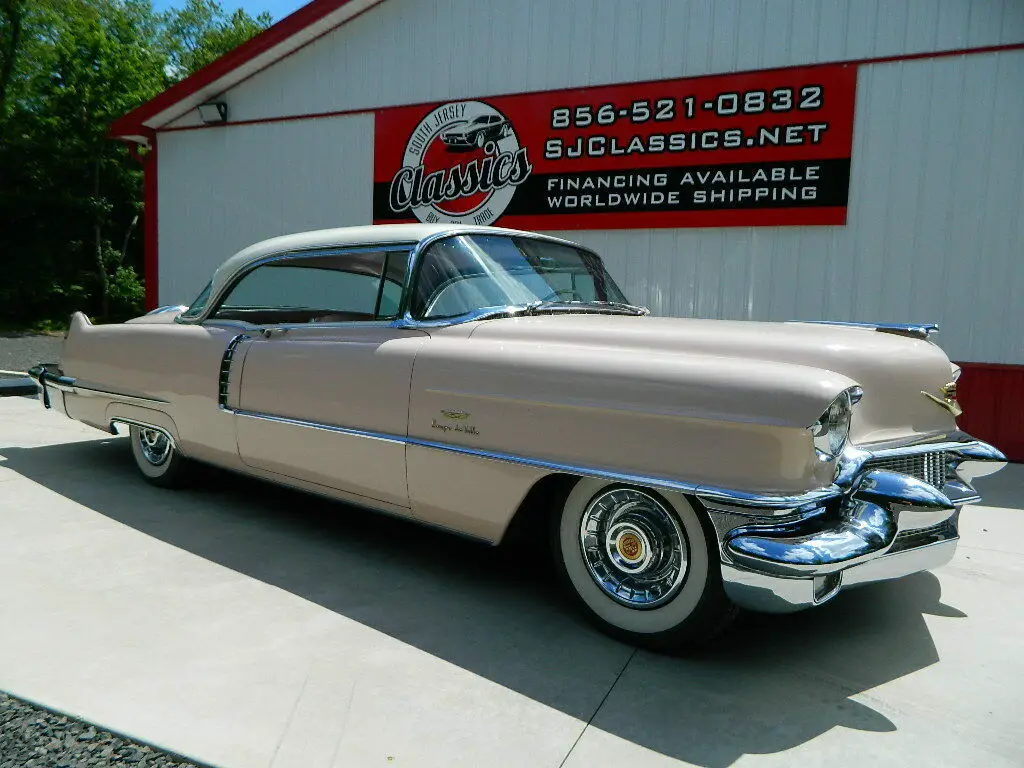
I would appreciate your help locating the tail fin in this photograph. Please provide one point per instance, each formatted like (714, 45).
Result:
(79, 322)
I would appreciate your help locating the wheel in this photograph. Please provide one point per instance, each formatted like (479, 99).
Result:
(481, 139)
(643, 566)
(156, 457)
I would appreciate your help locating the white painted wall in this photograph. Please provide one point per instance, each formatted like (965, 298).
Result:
(412, 51)
(935, 226)
(935, 229)
(222, 190)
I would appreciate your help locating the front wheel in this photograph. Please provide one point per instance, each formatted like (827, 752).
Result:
(156, 457)
(644, 566)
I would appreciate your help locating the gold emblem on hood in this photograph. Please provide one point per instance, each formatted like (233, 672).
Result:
(455, 415)
(948, 399)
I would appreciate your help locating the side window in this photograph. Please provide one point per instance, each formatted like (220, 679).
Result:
(319, 288)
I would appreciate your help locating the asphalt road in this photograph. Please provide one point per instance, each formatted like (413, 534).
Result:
(244, 625)
(20, 351)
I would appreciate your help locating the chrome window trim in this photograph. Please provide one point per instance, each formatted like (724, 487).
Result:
(214, 301)
(415, 250)
(406, 319)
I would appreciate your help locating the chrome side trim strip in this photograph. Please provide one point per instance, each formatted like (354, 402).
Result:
(740, 501)
(318, 426)
(71, 386)
(703, 491)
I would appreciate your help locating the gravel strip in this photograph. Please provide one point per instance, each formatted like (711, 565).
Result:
(20, 351)
(33, 737)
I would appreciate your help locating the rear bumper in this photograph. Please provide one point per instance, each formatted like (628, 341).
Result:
(52, 384)
(883, 525)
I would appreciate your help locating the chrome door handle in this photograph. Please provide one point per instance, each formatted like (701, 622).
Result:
(270, 332)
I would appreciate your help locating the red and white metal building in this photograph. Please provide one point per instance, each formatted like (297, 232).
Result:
(772, 160)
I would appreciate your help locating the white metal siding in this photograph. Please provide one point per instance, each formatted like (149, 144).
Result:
(412, 51)
(220, 191)
(935, 228)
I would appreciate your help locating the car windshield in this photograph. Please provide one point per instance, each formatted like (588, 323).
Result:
(467, 273)
(197, 306)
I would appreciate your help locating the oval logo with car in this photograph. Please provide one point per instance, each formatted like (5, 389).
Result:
(461, 165)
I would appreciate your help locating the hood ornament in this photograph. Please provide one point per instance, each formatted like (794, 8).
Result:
(948, 399)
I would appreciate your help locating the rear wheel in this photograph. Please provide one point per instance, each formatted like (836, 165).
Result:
(643, 566)
(156, 457)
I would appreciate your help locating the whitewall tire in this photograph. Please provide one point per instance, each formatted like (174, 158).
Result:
(156, 457)
(643, 565)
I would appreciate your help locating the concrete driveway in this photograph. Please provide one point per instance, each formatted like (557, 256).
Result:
(245, 625)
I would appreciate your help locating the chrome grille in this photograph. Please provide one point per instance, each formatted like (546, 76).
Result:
(930, 466)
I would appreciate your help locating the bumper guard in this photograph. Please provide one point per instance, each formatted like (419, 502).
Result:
(883, 525)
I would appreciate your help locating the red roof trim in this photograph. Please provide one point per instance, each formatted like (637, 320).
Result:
(132, 124)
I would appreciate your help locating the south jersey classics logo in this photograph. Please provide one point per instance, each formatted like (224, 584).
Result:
(461, 165)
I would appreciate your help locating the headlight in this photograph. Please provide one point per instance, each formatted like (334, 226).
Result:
(832, 430)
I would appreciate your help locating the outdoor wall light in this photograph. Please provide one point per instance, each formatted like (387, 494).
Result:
(213, 112)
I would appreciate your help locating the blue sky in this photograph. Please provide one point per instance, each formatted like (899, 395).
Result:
(278, 8)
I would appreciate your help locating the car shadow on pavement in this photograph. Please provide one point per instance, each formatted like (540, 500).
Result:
(770, 684)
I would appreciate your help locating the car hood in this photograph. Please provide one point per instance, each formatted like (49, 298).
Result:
(893, 370)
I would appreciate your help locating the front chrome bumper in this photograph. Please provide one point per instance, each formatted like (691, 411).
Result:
(879, 524)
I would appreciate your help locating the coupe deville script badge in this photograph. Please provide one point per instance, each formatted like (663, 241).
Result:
(456, 416)
(948, 399)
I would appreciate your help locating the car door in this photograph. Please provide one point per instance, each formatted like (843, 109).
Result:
(324, 388)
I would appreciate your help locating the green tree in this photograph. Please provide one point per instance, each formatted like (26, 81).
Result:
(12, 14)
(67, 191)
(70, 198)
(201, 31)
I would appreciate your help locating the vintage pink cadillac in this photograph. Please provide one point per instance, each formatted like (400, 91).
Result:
(463, 376)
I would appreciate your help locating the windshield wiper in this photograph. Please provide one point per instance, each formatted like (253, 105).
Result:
(551, 306)
(598, 307)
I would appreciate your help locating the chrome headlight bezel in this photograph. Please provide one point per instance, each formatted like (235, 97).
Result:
(831, 432)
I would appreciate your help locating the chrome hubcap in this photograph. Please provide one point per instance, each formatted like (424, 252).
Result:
(634, 548)
(155, 446)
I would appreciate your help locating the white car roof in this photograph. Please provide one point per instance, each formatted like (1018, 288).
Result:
(376, 234)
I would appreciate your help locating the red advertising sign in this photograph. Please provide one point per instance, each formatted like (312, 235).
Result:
(761, 148)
